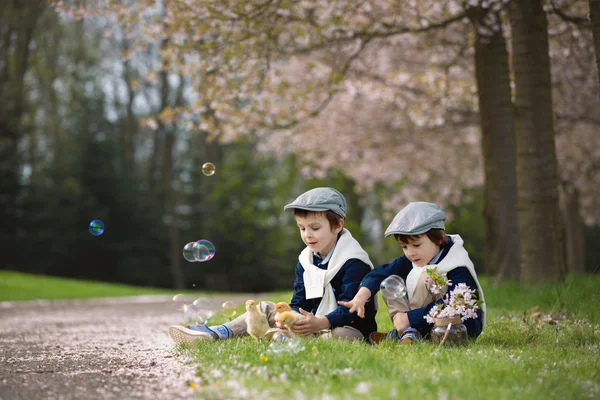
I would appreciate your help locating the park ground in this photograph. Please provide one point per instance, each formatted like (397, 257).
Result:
(540, 342)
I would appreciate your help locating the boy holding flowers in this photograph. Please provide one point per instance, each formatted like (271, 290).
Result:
(419, 229)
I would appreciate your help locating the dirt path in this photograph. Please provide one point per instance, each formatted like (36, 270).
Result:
(115, 348)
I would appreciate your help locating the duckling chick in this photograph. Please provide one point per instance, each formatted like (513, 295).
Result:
(279, 308)
(287, 319)
(256, 322)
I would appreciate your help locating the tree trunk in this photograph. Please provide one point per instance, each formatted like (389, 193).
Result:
(175, 245)
(595, 20)
(541, 250)
(129, 126)
(168, 191)
(575, 235)
(499, 154)
(18, 20)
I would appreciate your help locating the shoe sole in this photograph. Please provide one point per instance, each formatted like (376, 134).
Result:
(181, 337)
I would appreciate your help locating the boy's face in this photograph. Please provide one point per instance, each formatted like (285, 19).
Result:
(420, 251)
(316, 232)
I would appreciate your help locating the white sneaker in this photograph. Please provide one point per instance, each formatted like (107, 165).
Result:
(182, 335)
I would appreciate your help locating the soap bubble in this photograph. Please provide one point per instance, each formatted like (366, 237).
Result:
(229, 309)
(393, 287)
(179, 301)
(284, 336)
(203, 250)
(190, 312)
(204, 309)
(286, 342)
(188, 252)
(96, 227)
(208, 169)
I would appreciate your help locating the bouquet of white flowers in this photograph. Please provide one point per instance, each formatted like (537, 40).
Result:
(460, 302)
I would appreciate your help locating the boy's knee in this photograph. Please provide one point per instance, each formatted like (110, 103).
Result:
(346, 333)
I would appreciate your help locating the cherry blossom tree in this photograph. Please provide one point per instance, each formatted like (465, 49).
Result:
(383, 90)
(537, 176)
(498, 144)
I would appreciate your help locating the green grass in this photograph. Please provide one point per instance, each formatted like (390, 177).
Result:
(519, 356)
(20, 286)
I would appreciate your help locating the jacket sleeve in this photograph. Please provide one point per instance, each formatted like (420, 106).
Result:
(299, 297)
(354, 272)
(400, 266)
(458, 275)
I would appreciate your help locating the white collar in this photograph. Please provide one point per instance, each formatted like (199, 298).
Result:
(326, 259)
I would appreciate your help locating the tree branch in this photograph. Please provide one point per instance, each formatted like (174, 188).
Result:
(583, 22)
(315, 112)
(368, 35)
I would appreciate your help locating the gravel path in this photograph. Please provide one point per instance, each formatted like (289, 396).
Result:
(116, 348)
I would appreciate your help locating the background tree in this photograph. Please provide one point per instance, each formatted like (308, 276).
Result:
(498, 145)
(387, 100)
(18, 22)
(595, 19)
(537, 180)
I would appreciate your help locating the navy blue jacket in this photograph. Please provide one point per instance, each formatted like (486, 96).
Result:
(345, 285)
(401, 267)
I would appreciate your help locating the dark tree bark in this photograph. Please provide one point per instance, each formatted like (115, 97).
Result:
(167, 189)
(18, 20)
(575, 235)
(499, 153)
(595, 20)
(541, 247)
(129, 124)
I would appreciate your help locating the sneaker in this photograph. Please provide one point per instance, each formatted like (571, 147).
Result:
(410, 336)
(182, 335)
(378, 337)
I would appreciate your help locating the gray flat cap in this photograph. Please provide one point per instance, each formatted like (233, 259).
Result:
(417, 218)
(320, 199)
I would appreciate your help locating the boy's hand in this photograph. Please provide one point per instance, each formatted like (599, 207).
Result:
(401, 322)
(355, 305)
(310, 324)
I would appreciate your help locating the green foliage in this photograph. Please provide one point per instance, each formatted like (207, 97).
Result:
(240, 210)
(515, 358)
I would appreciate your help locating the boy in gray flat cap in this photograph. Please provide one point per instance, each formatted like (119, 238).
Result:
(419, 229)
(330, 269)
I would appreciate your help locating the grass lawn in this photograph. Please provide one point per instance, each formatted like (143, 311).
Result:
(520, 355)
(524, 353)
(20, 286)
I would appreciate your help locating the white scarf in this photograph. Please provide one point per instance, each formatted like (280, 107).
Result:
(457, 257)
(317, 281)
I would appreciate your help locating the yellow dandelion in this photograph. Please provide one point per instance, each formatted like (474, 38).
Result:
(192, 385)
(264, 358)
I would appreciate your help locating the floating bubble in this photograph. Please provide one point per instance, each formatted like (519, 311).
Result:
(190, 312)
(284, 336)
(285, 342)
(393, 287)
(96, 227)
(229, 309)
(269, 334)
(203, 250)
(204, 309)
(208, 169)
(179, 301)
(188, 252)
